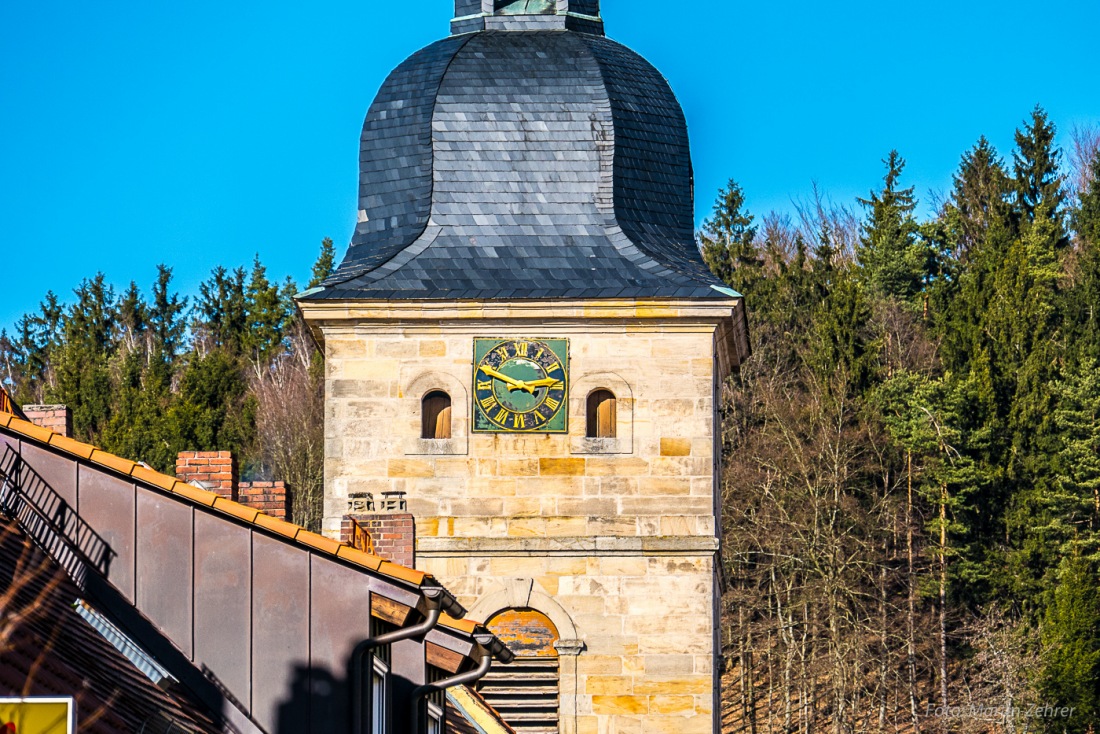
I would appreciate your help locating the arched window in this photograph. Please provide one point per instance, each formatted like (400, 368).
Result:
(601, 414)
(435, 415)
(525, 692)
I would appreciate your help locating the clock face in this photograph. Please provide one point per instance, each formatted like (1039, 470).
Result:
(520, 385)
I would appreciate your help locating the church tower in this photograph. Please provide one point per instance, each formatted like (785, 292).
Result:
(523, 342)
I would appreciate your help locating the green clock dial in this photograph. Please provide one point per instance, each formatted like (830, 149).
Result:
(520, 385)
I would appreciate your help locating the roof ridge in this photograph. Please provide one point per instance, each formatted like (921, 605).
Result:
(194, 495)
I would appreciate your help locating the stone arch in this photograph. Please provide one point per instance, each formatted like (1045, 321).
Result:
(526, 594)
(582, 387)
(413, 389)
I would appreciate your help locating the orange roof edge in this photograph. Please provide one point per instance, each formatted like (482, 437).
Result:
(194, 495)
(466, 626)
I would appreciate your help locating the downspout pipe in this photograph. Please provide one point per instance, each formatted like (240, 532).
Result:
(491, 647)
(441, 601)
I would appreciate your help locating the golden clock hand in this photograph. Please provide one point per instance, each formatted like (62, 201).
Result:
(544, 382)
(515, 384)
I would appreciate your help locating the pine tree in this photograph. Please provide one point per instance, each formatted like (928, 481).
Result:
(1071, 642)
(83, 357)
(222, 311)
(1039, 184)
(267, 313)
(981, 188)
(1083, 299)
(165, 316)
(894, 260)
(1087, 216)
(325, 264)
(839, 338)
(1071, 515)
(728, 240)
(132, 319)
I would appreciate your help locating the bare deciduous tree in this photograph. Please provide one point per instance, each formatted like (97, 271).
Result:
(290, 424)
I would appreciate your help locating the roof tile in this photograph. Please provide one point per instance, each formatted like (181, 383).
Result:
(193, 493)
(122, 466)
(401, 572)
(155, 478)
(72, 446)
(30, 430)
(319, 542)
(354, 555)
(236, 509)
(275, 525)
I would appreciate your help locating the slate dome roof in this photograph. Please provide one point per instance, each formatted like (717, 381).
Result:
(530, 158)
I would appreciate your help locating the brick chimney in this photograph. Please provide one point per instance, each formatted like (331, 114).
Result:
(217, 472)
(212, 470)
(381, 527)
(270, 498)
(57, 418)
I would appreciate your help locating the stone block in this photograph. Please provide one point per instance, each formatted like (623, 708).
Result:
(558, 467)
(612, 705)
(615, 685)
(675, 447)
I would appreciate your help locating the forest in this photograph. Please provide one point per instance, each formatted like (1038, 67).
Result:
(148, 375)
(911, 489)
(911, 457)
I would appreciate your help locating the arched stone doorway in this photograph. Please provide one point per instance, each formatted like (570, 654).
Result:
(526, 692)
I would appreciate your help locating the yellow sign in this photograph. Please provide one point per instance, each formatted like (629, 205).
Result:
(37, 716)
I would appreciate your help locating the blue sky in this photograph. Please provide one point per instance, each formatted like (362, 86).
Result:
(201, 133)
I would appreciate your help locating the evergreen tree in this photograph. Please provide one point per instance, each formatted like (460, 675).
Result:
(214, 410)
(132, 319)
(979, 196)
(82, 359)
(267, 313)
(222, 311)
(325, 264)
(1071, 514)
(894, 260)
(166, 322)
(839, 338)
(1083, 299)
(728, 240)
(1087, 216)
(1039, 184)
(1071, 641)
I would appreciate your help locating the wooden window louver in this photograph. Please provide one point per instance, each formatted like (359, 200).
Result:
(525, 693)
(601, 414)
(435, 414)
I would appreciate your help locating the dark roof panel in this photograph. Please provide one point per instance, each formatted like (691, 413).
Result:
(505, 164)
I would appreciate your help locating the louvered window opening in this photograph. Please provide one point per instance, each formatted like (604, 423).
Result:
(525, 694)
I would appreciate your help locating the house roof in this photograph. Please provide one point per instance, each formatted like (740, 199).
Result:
(190, 493)
(197, 565)
(48, 648)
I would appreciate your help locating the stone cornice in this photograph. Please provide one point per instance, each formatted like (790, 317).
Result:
(436, 547)
(727, 316)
